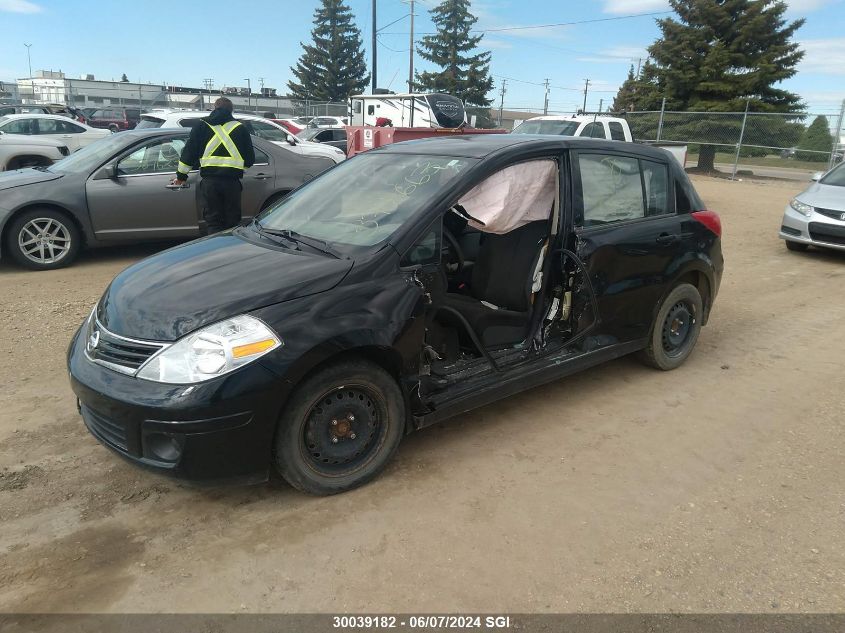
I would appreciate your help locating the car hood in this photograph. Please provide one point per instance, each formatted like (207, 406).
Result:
(824, 196)
(26, 139)
(169, 295)
(28, 176)
(316, 149)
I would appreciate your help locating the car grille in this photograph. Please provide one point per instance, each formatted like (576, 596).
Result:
(831, 213)
(829, 233)
(118, 352)
(109, 431)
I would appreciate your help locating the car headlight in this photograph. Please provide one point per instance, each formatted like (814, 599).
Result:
(803, 209)
(212, 351)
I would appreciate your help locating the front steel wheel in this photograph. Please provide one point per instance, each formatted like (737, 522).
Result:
(340, 428)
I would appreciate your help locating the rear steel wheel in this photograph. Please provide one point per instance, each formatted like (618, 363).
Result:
(675, 329)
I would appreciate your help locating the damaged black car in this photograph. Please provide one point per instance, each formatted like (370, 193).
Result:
(409, 284)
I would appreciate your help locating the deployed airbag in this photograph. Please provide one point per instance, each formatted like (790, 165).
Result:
(512, 197)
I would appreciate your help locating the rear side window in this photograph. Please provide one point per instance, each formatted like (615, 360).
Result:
(20, 126)
(656, 186)
(261, 158)
(611, 188)
(593, 130)
(617, 132)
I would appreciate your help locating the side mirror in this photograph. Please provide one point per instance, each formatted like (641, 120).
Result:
(113, 171)
(291, 139)
(816, 176)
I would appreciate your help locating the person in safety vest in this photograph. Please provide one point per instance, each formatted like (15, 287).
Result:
(222, 148)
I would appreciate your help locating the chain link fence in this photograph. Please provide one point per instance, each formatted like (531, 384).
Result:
(737, 141)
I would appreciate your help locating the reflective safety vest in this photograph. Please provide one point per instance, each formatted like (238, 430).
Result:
(222, 136)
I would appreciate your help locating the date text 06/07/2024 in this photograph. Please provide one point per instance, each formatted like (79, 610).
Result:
(421, 622)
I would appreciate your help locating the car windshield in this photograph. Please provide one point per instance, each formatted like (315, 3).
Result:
(91, 156)
(267, 131)
(559, 128)
(148, 122)
(835, 177)
(362, 202)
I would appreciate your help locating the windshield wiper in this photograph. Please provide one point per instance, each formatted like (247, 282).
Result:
(313, 242)
(270, 233)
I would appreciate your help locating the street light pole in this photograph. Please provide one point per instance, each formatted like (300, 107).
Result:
(29, 61)
(375, 52)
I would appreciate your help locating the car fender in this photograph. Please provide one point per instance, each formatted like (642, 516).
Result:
(697, 263)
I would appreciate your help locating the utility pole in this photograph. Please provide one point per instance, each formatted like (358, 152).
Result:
(29, 61)
(546, 98)
(411, 55)
(208, 82)
(375, 52)
(261, 81)
(502, 102)
(586, 86)
(248, 93)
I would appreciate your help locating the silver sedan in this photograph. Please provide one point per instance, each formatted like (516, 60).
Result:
(817, 215)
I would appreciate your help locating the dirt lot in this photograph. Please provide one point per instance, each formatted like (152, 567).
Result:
(717, 487)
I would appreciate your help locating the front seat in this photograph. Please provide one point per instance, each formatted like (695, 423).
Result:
(502, 278)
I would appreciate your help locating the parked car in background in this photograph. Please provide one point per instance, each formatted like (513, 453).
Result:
(118, 190)
(289, 125)
(594, 126)
(328, 121)
(415, 282)
(115, 119)
(18, 151)
(259, 126)
(55, 126)
(816, 216)
(23, 108)
(336, 137)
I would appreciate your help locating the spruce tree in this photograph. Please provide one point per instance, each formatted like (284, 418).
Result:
(462, 73)
(332, 67)
(624, 99)
(817, 137)
(714, 56)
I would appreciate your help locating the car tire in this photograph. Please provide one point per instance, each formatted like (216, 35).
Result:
(114, 129)
(60, 239)
(798, 247)
(675, 330)
(340, 428)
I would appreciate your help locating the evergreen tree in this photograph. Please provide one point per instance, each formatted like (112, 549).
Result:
(715, 55)
(817, 137)
(124, 78)
(462, 74)
(624, 99)
(332, 67)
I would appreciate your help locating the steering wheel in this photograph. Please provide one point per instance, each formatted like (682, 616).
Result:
(454, 248)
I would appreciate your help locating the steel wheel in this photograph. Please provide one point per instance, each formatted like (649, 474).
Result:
(44, 240)
(344, 429)
(677, 327)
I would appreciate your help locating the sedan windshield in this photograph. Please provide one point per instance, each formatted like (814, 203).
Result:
(309, 133)
(91, 156)
(835, 177)
(362, 202)
(559, 128)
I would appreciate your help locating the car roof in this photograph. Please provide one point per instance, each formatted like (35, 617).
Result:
(575, 117)
(482, 145)
(36, 115)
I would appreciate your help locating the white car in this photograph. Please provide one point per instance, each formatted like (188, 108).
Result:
(328, 121)
(259, 126)
(59, 128)
(18, 151)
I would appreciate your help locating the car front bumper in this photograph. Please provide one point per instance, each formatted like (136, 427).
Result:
(817, 229)
(220, 430)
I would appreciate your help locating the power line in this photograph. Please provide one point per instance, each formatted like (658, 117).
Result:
(545, 26)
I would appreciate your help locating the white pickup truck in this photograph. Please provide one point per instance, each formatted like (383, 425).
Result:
(594, 126)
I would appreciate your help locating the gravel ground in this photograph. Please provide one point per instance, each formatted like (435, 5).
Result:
(716, 487)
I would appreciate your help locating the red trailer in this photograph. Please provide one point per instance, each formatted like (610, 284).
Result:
(361, 138)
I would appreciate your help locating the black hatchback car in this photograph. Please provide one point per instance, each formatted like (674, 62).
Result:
(409, 284)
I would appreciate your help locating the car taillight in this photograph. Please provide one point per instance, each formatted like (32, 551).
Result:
(710, 219)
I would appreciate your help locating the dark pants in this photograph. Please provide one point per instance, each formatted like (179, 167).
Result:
(220, 203)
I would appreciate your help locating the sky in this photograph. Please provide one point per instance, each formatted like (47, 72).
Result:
(187, 41)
